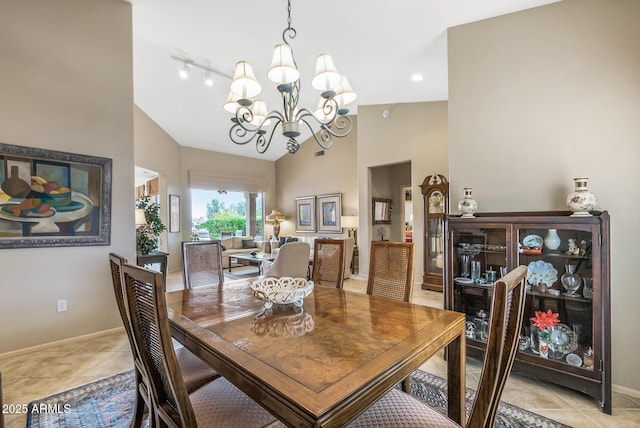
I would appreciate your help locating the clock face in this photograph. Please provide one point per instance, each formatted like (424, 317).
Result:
(436, 202)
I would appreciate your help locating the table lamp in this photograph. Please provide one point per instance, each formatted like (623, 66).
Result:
(350, 222)
(275, 217)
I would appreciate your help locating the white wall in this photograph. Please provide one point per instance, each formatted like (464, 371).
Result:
(539, 97)
(66, 83)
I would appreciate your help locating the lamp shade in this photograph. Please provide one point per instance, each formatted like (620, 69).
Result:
(244, 84)
(259, 110)
(326, 76)
(275, 216)
(231, 104)
(349, 221)
(140, 217)
(283, 68)
(344, 93)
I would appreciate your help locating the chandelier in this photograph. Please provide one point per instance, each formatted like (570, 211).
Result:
(252, 119)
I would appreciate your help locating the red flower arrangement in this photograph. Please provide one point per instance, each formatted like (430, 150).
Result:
(545, 320)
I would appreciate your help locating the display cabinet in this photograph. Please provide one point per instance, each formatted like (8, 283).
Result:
(568, 274)
(435, 194)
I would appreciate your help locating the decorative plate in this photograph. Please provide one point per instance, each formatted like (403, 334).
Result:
(574, 360)
(541, 272)
(567, 341)
(462, 280)
(533, 241)
(282, 291)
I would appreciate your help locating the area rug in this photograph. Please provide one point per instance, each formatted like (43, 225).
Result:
(109, 403)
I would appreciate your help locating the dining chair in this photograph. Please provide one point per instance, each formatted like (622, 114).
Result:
(397, 409)
(292, 260)
(391, 270)
(195, 372)
(391, 274)
(216, 404)
(202, 263)
(328, 262)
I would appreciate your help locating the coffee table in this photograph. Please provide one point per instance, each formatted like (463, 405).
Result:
(248, 259)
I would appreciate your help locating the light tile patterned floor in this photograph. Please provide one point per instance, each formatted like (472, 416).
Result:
(37, 373)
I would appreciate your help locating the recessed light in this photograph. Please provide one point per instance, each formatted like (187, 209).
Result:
(417, 77)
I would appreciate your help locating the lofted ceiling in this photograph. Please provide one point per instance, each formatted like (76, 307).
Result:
(377, 44)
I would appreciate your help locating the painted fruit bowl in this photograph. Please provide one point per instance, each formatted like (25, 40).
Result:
(54, 199)
(282, 291)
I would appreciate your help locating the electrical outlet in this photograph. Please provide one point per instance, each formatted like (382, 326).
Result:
(62, 305)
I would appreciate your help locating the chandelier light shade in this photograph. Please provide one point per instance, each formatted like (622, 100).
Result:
(327, 76)
(344, 95)
(275, 217)
(330, 117)
(231, 104)
(283, 69)
(244, 84)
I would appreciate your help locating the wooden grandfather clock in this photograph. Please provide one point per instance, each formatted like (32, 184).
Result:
(435, 194)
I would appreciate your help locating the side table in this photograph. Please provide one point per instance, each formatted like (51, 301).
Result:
(151, 258)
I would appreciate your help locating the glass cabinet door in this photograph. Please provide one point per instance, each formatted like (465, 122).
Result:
(479, 258)
(561, 278)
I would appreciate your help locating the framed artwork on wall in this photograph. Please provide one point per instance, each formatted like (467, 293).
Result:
(174, 213)
(306, 214)
(330, 210)
(53, 199)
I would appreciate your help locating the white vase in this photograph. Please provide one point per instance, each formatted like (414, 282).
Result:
(581, 200)
(468, 206)
(552, 240)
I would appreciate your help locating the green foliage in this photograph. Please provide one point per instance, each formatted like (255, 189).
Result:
(229, 219)
(147, 235)
(224, 222)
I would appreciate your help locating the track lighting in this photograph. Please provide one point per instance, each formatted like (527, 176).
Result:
(188, 66)
(186, 69)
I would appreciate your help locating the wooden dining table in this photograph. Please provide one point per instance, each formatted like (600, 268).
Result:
(321, 364)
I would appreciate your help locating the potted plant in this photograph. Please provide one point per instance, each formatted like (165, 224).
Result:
(148, 235)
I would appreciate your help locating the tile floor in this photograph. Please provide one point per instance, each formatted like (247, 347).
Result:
(50, 369)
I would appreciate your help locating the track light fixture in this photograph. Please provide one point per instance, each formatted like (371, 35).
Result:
(188, 66)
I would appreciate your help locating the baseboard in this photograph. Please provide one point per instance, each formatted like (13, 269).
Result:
(626, 391)
(60, 342)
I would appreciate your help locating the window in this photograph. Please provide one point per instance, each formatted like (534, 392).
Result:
(220, 211)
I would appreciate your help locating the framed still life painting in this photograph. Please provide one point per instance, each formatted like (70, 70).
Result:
(53, 199)
(330, 210)
(306, 214)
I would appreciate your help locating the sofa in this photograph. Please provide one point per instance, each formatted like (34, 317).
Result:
(238, 245)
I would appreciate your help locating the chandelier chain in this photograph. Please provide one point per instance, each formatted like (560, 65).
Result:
(289, 32)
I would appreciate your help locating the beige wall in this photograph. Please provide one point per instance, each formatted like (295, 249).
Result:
(303, 174)
(413, 132)
(541, 96)
(157, 151)
(67, 85)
